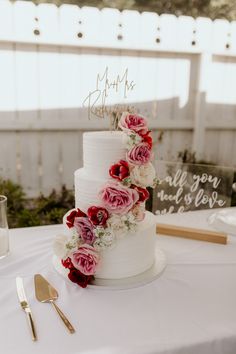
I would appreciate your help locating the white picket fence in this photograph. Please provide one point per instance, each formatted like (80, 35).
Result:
(185, 82)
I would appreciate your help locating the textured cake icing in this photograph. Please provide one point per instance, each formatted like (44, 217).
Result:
(101, 150)
(133, 254)
(110, 235)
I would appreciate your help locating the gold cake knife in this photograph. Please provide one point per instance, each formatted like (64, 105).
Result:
(25, 306)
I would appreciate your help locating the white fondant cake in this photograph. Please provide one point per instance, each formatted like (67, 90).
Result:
(100, 151)
(135, 253)
(111, 235)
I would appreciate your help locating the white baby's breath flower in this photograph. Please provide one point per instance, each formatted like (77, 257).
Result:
(121, 224)
(131, 139)
(105, 238)
(116, 223)
(143, 175)
(74, 242)
(130, 222)
(65, 244)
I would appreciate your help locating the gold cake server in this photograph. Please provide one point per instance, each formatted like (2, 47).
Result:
(45, 292)
(25, 306)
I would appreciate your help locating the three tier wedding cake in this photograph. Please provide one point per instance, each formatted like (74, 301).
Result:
(109, 234)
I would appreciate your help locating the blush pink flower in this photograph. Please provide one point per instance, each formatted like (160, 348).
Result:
(138, 212)
(118, 199)
(85, 229)
(133, 122)
(139, 155)
(85, 259)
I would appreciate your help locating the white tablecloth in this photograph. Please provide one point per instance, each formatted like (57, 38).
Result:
(190, 309)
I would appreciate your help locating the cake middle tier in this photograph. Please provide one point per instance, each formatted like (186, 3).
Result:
(87, 189)
(101, 150)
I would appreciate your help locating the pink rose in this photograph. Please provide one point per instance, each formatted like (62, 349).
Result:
(133, 122)
(139, 155)
(85, 229)
(85, 259)
(138, 212)
(118, 199)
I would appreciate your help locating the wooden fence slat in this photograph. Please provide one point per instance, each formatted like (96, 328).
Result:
(8, 156)
(71, 23)
(6, 23)
(27, 84)
(232, 37)
(71, 147)
(47, 23)
(220, 37)
(186, 34)
(48, 67)
(202, 33)
(168, 29)
(110, 30)
(148, 98)
(90, 26)
(51, 167)
(69, 81)
(165, 87)
(130, 31)
(25, 21)
(149, 32)
(30, 174)
(7, 84)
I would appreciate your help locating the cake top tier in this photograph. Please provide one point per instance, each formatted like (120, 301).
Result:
(101, 150)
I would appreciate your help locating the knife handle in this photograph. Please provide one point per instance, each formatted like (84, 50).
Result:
(31, 324)
(63, 317)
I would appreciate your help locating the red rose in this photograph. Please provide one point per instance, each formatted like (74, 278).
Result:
(147, 139)
(119, 170)
(75, 275)
(98, 215)
(74, 214)
(79, 278)
(143, 193)
(67, 263)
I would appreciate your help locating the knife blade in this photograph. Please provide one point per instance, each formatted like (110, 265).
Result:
(25, 306)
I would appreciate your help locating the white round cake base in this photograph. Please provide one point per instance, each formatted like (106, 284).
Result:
(125, 283)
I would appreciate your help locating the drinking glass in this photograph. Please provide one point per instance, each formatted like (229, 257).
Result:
(4, 232)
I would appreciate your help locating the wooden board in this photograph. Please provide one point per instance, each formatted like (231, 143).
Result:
(191, 233)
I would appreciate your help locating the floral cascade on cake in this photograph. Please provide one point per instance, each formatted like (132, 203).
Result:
(121, 208)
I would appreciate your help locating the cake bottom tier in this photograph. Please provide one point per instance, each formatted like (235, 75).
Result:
(131, 255)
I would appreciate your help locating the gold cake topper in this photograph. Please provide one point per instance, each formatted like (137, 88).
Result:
(96, 101)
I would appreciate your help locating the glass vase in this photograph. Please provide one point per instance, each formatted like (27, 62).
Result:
(4, 232)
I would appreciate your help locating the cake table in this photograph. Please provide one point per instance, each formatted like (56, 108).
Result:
(189, 309)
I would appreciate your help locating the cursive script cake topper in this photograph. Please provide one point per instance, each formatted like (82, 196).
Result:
(118, 87)
(185, 187)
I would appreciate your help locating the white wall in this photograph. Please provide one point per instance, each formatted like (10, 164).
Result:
(184, 71)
